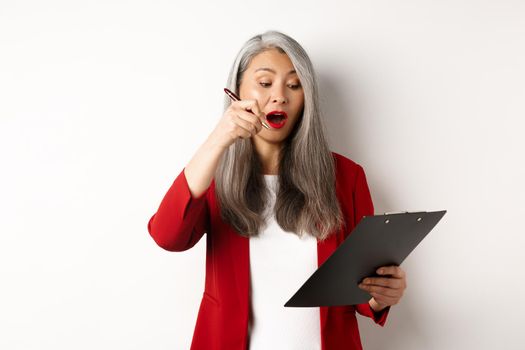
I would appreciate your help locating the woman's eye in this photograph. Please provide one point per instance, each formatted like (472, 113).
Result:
(294, 87)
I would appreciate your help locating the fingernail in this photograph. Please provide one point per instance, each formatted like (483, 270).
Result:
(380, 271)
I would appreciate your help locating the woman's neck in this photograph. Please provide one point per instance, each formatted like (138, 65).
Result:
(269, 157)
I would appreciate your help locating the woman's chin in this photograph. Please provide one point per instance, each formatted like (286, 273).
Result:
(273, 137)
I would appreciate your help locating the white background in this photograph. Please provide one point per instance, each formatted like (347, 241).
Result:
(102, 103)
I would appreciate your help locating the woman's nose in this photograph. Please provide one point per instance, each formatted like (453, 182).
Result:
(279, 98)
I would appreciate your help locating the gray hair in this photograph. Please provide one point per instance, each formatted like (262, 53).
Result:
(306, 201)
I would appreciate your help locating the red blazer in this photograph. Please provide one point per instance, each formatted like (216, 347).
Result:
(222, 321)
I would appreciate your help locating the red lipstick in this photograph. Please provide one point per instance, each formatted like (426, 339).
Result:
(277, 119)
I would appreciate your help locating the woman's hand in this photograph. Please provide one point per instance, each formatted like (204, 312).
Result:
(242, 119)
(388, 290)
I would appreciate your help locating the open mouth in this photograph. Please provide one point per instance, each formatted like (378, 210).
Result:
(277, 119)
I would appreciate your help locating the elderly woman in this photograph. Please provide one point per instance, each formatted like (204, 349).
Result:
(275, 203)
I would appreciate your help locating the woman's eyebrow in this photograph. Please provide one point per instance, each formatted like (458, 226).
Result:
(273, 71)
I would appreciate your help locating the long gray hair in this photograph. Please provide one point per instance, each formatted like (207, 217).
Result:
(306, 201)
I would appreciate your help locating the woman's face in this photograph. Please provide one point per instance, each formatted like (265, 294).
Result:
(271, 80)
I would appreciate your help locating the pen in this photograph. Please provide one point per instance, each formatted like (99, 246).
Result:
(237, 98)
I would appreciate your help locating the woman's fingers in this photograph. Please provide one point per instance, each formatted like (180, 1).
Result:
(248, 105)
(386, 290)
(237, 122)
(390, 292)
(383, 282)
(383, 300)
(394, 271)
(245, 129)
(250, 110)
(250, 119)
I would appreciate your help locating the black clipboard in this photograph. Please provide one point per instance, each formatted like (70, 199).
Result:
(377, 240)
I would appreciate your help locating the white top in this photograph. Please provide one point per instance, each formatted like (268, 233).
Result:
(280, 262)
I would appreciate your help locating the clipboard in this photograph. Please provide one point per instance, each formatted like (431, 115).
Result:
(377, 240)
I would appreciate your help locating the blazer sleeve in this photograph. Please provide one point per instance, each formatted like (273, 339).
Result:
(180, 220)
(363, 206)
